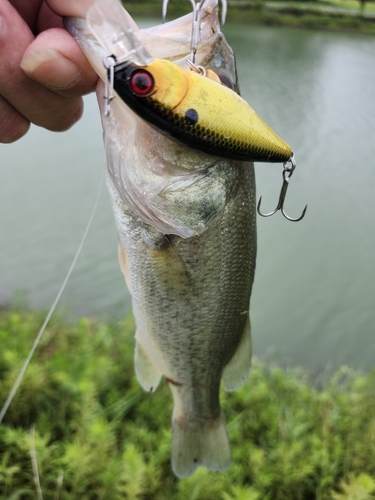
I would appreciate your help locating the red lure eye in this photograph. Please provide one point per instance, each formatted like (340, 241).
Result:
(141, 83)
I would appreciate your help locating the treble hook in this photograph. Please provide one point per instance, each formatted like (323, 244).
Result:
(196, 29)
(287, 174)
(223, 9)
(195, 34)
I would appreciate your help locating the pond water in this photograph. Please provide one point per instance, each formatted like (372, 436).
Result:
(313, 298)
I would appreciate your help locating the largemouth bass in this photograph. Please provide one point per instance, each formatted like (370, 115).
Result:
(187, 237)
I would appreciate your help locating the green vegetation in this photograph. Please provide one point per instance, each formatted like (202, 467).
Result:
(334, 15)
(99, 436)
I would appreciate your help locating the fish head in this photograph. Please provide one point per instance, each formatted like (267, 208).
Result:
(143, 164)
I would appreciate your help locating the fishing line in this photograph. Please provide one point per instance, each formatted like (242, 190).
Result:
(51, 311)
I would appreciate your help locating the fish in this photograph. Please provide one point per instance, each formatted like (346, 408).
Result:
(186, 220)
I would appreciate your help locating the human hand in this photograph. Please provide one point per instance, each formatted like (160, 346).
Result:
(43, 71)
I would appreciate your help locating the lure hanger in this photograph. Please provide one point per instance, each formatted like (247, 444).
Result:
(109, 95)
(287, 174)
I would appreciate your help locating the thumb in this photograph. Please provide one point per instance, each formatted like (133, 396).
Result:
(55, 60)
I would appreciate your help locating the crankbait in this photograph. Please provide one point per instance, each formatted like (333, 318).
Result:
(197, 111)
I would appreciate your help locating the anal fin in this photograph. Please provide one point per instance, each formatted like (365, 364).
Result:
(147, 373)
(237, 370)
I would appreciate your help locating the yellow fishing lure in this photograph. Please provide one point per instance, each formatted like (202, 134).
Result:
(197, 111)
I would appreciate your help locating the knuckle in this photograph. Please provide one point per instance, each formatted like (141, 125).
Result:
(13, 125)
(14, 133)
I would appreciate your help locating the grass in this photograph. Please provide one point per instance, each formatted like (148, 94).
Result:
(348, 4)
(99, 436)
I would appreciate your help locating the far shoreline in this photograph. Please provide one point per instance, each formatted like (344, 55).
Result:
(282, 14)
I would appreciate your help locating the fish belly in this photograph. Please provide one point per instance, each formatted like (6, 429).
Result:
(190, 301)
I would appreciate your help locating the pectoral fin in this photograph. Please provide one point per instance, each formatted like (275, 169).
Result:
(237, 370)
(147, 373)
(169, 266)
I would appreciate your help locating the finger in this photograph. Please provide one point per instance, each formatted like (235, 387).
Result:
(29, 11)
(48, 19)
(36, 103)
(12, 124)
(70, 8)
(55, 60)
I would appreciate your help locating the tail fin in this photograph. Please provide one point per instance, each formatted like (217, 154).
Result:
(193, 446)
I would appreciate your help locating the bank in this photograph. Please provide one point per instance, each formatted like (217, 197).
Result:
(333, 16)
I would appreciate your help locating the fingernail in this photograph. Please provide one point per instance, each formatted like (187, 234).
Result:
(50, 68)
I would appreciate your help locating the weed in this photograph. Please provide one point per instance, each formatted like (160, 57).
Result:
(99, 436)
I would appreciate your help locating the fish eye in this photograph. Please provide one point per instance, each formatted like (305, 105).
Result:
(141, 82)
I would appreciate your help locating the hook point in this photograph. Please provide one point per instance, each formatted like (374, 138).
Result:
(299, 218)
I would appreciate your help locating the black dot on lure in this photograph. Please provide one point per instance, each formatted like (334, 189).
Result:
(191, 116)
